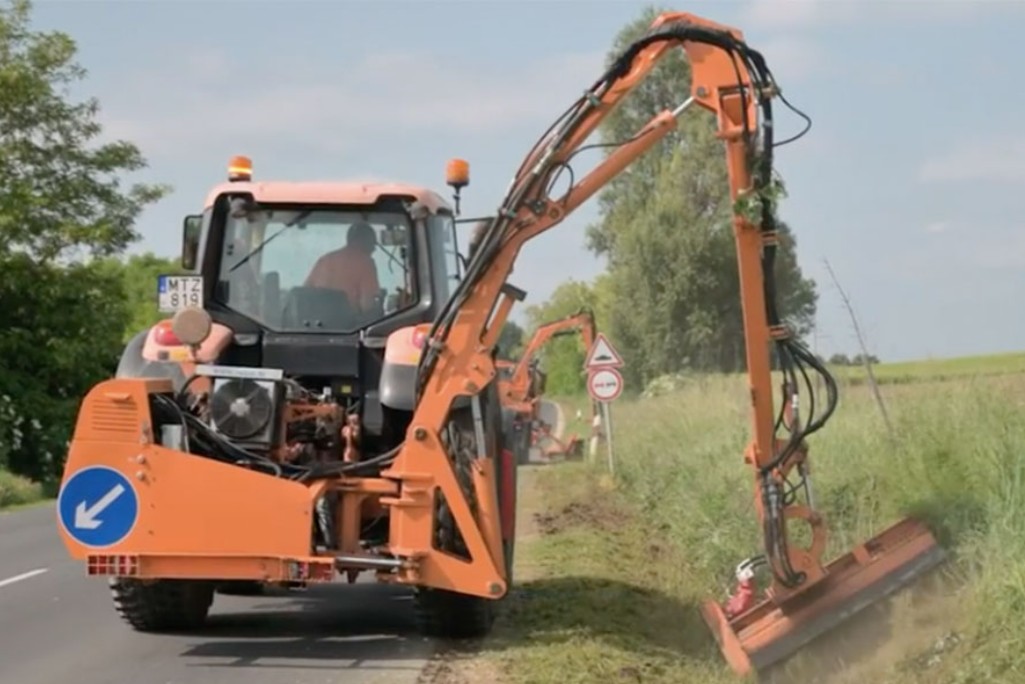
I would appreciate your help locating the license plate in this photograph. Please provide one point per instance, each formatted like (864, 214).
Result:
(176, 292)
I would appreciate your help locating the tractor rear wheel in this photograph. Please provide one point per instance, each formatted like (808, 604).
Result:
(447, 614)
(162, 604)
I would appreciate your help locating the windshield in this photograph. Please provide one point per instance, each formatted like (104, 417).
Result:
(316, 269)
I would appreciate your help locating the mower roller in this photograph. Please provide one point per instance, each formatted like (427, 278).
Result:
(274, 438)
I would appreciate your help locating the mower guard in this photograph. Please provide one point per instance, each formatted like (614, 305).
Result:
(198, 518)
(767, 633)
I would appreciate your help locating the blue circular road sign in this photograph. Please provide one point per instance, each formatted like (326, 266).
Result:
(98, 506)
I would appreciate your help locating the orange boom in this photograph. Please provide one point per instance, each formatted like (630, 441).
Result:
(521, 385)
(281, 432)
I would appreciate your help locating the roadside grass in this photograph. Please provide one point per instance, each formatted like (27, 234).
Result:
(956, 461)
(898, 373)
(591, 598)
(17, 491)
(611, 581)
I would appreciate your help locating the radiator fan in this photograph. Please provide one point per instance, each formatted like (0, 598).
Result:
(241, 408)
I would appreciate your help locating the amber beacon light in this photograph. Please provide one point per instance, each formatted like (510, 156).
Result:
(240, 168)
(457, 173)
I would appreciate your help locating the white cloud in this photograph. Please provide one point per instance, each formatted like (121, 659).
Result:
(207, 66)
(937, 227)
(793, 59)
(1003, 250)
(786, 32)
(998, 160)
(938, 10)
(774, 15)
(792, 14)
(207, 98)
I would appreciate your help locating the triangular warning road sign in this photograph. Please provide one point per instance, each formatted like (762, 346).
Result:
(602, 355)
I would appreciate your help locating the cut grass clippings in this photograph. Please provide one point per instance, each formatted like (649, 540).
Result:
(595, 595)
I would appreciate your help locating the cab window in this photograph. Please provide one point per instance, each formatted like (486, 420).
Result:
(444, 255)
(316, 269)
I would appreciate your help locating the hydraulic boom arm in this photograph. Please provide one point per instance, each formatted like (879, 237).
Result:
(732, 81)
(582, 321)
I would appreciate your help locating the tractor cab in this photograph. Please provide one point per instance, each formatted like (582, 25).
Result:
(351, 259)
(312, 281)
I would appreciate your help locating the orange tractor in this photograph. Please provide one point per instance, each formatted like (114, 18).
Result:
(274, 399)
(521, 386)
(294, 434)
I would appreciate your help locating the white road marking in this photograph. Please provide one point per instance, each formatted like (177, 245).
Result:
(22, 576)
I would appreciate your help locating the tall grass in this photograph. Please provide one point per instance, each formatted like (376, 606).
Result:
(958, 461)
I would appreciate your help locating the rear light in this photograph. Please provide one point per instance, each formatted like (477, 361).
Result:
(419, 338)
(164, 336)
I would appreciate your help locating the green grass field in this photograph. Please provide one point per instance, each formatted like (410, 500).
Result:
(615, 574)
(938, 369)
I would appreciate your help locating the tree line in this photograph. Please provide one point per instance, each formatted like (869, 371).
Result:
(68, 296)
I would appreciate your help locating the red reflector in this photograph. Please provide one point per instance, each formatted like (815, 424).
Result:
(419, 338)
(117, 566)
(163, 335)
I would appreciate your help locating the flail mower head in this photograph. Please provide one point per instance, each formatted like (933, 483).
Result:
(756, 634)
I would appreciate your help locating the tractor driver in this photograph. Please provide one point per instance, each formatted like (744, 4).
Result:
(351, 268)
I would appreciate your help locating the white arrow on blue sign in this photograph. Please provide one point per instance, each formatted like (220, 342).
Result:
(98, 506)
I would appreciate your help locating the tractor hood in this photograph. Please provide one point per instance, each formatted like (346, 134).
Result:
(312, 354)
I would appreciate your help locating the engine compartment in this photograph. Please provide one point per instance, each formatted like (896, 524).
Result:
(263, 420)
(265, 414)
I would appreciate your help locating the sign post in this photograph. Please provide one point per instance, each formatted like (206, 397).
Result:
(604, 384)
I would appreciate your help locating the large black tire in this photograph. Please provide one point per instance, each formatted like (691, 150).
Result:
(446, 614)
(162, 605)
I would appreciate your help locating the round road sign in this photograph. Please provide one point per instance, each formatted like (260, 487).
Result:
(604, 384)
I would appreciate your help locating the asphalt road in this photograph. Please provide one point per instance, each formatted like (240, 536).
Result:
(58, 626)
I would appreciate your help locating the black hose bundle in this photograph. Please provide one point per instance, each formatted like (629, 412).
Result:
(211, 444)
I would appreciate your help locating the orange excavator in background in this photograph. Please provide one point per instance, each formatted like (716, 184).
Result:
(522, 385)
(155, 498)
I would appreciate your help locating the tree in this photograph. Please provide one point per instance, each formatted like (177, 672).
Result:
(58, 337)
(61, 205)
(665, 228)
(138, 275)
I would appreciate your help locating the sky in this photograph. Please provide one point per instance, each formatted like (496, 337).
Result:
(907, 182)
